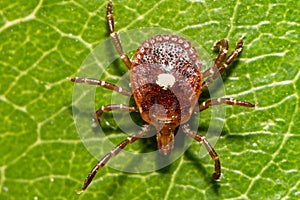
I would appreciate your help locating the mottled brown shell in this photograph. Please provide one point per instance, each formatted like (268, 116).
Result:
(166, 79)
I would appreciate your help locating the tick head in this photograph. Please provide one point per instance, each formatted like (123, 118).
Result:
(165, 136)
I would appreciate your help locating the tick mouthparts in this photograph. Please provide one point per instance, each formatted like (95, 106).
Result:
(165, 150)
(165, 140)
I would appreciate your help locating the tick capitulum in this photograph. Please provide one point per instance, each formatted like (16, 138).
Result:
(166, 79)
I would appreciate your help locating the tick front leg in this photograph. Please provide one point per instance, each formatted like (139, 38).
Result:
(113, 152)
(104, 84)
(109, 108)
(208, 147)
(114, 36)
(229, 101)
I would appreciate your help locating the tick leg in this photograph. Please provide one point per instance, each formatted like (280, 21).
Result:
(113, 152)
(208, 147)
(224, 50)
(92, 81)
(229, 101)
(114, 36)
(232, 56)
(220, 66)
(111, 107)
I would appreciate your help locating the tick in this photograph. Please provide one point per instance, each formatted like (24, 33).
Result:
(166, 80)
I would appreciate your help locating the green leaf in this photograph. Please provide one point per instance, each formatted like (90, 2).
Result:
(43, 42)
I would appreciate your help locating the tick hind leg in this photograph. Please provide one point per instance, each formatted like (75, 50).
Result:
(104, 84)
(228, 101)
(208, 147)
(220, 65)
(113, 152)
(114, 36)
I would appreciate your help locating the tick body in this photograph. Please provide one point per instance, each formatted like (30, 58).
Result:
(166, 79)
(166, 82)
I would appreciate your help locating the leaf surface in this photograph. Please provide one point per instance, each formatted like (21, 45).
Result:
(43, 42)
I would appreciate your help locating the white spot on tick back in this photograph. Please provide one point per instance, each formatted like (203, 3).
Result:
(165, 80)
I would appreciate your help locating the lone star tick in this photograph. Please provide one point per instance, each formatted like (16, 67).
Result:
(166, 79)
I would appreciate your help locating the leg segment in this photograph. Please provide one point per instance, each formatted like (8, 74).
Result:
(211, 71)
(114, 36)
(220, 66)
(92, 81)
(109, 108)
(113, 152)
(229, 101)
(208, 147)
